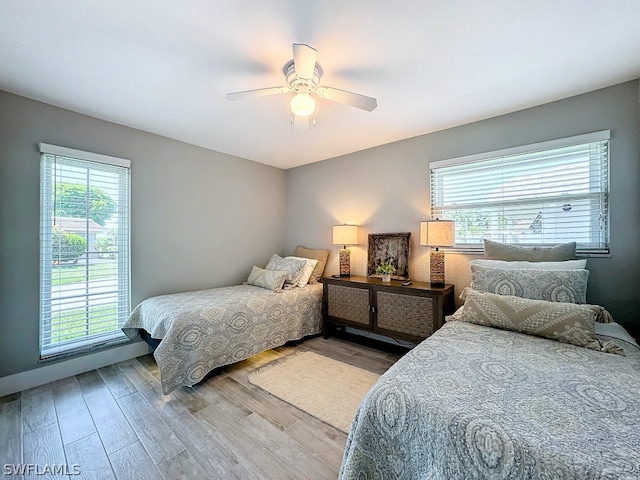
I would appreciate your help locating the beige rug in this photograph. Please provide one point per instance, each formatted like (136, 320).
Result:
(324, 388)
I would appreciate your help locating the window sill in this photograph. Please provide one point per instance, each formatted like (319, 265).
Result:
(87, 346)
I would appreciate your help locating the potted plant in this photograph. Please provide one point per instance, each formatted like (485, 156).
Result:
(386, 269)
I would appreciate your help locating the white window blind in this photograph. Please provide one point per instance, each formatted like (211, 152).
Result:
(84, 250)
(542, 194)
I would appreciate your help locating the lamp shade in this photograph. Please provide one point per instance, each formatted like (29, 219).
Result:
(345, 234)
(438, 233)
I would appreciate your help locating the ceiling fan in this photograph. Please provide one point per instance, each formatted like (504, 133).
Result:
(303, 75)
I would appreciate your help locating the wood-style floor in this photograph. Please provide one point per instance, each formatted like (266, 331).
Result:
(115, 423)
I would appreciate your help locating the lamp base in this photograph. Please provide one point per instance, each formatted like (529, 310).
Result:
(345, 263)
(436, 267)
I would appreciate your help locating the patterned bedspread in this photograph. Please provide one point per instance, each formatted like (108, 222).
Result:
(206, 329)
(473, 402)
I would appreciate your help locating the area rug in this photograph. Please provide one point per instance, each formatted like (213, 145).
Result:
(323, 387)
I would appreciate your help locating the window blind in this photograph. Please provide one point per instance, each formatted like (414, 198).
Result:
(84, 250)
(540, 194)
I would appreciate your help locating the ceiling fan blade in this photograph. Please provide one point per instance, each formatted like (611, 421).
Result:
(348, 98)
(304, 59)
(260, 92)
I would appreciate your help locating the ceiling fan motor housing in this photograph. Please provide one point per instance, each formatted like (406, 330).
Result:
(302, 85)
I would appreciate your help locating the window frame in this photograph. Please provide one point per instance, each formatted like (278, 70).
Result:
(541, 147)
(51, 156)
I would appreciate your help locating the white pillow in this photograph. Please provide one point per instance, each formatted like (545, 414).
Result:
(566, 265)
(307, 270)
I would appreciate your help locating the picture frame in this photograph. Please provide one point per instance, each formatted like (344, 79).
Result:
(389, 247)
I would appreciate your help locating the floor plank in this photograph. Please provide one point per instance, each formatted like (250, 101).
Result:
(90, 458)
(116, 382)
(223, 419)
(43, 448)
(10, 433)
(38, 409)
(210, 453)
(74, 418)
(157, 439)
(146, 383)
(113, 428)
(182, 467)
(329, 447)
(286, 449)
(133, 463)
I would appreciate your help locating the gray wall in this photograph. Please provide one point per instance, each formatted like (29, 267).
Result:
(199, 218)
(386, 189)
(202, 219)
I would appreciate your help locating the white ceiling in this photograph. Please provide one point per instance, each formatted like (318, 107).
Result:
(164, 66)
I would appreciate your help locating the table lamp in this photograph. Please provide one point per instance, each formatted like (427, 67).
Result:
(437, 233)
(345, 235)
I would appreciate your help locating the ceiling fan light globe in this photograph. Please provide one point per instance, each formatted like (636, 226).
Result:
(303, 105)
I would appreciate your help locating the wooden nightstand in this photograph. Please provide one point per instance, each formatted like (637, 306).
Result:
(409, 313)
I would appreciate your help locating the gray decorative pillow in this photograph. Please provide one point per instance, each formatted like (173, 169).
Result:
(568, 286)
(295, 268)
(271, 279)
(502, 251)
(564, 322)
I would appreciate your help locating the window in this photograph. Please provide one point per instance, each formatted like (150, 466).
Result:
(540, 194)
(84, 250)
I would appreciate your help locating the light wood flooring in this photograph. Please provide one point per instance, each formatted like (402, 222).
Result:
(115, 423)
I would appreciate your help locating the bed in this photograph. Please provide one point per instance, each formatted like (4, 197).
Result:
(202, 330)
(481, 400)
(477, 402)
(206, 329)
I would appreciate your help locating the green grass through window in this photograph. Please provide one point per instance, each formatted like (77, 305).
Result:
(66, 274)
(72, 324)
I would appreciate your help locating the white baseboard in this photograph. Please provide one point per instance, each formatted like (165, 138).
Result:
(56, 371)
